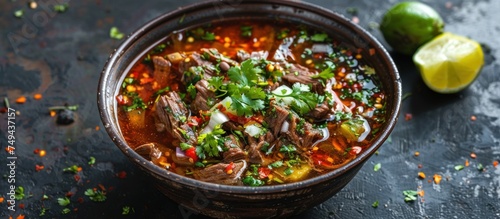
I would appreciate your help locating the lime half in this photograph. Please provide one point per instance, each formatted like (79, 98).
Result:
(449, 62)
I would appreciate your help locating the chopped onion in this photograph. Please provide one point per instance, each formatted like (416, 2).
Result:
(284, 126)
(253, 130)
(216, 118)
(367, 131)
(179, 153)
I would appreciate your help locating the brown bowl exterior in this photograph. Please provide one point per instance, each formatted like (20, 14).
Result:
(224, 201)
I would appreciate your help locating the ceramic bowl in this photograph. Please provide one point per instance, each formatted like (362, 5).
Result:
(223, 201)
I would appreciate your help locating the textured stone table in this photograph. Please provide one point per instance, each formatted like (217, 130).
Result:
(61, 55)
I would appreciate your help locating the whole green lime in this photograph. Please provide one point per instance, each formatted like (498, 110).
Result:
(408, 25)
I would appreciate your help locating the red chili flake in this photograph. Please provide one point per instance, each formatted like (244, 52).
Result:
(102, 187)
(473, 118)
(408, 116)
(21, 206)
(134, 75)
(36, 151)
(39, 167)
(77, 177)
(122, 175)
(466, 163)
(69, 194)
(3, 110)
(21, 216)
(80, 200)
(263, 172)
(1, 199)
(473, 155)
(111, 188)
(371, 51)
(122, 100)
(146, 80)
(419, 166)
(495, 163)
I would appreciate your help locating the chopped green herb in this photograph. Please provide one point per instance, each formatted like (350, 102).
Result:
(324, 75)
(45, 197)
(276, 164)
(91, 160)
(246, 31)
(163, 90)
(288, 171)
(319, 37)
(73, 169)
(480, 167)
(208, 36)
(19, 13)
(375, 204)
(97, 196)
(65, 211)
(191, 90)
(61, 7)
(185, 146)
(19, 193)
(126, 210)
(211, 143)
(352, 10)
(459, 167)
(63, 201)
(42, 211)
(137, 102)
(250, 181)
(377, 167)
(114, 33)
(410, 195)
(303, 100)
(72, 108)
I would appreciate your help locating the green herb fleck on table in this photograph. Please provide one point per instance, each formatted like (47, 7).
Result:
(65, 211)
(45, 197)
(63, 201)
(91, 160)
(127, 209)
(377, 167)
(97, 196)
(19, 13)
(375, 204)
(459, 167)
(61, 7)
(19, 193)
(114, 33)
(410, 195)
(480, 167)
(73, 169)
(42, 211)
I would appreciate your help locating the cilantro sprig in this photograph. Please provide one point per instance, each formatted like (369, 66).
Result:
(211, 144)
(247, 97)
(302, 100)
(97, 195)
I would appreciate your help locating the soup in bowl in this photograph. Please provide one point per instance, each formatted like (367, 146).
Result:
(262, 108)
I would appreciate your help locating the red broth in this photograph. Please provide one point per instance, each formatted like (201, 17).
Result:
(251, 103)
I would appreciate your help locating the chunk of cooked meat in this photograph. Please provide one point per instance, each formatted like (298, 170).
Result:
(235, 151)
(275, 116)
(149, 151)
(295, 73)
(215, 57)
(217, 173)
(301, 132)
(172, 112)
(320, 113)
(161, 70)
(203, 95)
(194, 68)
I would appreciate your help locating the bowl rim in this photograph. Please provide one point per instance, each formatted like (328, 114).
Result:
(162, 173)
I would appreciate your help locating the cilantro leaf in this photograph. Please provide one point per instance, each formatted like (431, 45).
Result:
(324, 75)
(63, 201)
(114, 33)
(410, 195)
(191, 90)
(19, 193)
(211, 143)
(97, 196)
(208, 36)
(250, 181)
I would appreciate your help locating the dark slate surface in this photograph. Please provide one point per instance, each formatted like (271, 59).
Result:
(62, 54)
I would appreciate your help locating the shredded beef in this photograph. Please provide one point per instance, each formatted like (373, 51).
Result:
(216, 173)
